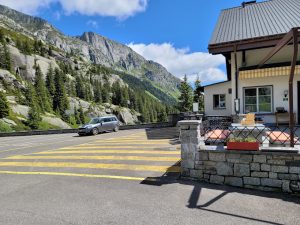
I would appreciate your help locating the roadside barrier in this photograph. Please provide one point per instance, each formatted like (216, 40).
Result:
(66, 131)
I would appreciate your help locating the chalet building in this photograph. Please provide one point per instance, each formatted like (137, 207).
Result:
(260, 44)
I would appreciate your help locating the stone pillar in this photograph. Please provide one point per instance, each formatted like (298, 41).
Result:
(190, 144)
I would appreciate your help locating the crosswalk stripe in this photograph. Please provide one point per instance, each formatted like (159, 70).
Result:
(111, 147)
(92, 166)
(110, 152)
(74, 175)
(105, 157)
(135, 141)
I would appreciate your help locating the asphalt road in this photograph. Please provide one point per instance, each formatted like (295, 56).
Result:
(129, 177)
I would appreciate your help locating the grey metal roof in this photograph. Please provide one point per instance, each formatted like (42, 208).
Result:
(256, 20)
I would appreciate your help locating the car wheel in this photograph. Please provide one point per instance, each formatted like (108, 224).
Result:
(116, 129)
(95, 131)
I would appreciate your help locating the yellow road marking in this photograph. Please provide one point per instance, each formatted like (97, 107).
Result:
(108, 147)
(105, 157)
(131, 141)
(92, 166)
(75, 175)
(110, 151)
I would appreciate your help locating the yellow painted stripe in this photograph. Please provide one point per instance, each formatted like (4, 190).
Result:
(131, 141)
(103, 157)
(76, 175)
(92, 166)
(110, 152)
(132, 144)
(107, 147)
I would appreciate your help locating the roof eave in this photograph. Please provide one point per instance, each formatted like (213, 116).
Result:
(246, 44)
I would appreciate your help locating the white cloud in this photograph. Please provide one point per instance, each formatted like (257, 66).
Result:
(92, 23)
(182, 61)
(116, 8)
(26, 6)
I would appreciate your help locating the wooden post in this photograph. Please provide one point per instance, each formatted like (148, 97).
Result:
(291, 88)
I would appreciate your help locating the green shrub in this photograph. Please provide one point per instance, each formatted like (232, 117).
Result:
(4, 127)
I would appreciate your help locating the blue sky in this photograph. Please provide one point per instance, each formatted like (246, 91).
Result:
(174, 33)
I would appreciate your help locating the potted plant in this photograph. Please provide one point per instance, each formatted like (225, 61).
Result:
(248, 144)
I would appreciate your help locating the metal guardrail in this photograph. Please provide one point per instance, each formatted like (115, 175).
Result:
(65, 131)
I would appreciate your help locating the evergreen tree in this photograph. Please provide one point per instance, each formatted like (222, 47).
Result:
(34, 117)
(4, 106)
(186, 96)
(198, 95)
(40, 88)
(50, 81)
(26, 48)
(1, 36)
(124, 97)
(81, 115)
(76, 115)
(80, 90)
(97, 92)
(60, 99)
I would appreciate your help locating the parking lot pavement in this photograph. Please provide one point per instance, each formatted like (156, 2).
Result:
(129, 177)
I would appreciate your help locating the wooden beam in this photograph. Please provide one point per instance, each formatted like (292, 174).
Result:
(283, 42)
(295, 33)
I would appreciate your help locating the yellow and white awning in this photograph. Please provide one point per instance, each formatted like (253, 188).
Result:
(267, 72)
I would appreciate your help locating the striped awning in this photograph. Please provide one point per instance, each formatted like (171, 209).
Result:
(267, 72)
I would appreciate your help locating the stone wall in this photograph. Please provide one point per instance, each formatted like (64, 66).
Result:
(268, 171)
(256, 170)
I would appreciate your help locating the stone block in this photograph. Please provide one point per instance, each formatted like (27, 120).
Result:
(202, 155)
(217, 157)
(216, 179)
(199, 167)
(294, 169)
(255, 166)
(259, 174)
(271, 182)
(241, 170)
(233, 156)
(206, 176)
(295, 186)
(273, 175)
(251, 181)
(284, 176)
(260, 158)
(234, 181)
(276, 162)
(286, 186)
(279, 169)
(245, 158)
(265, 167)
(185, 172)
(283, 157)
(188, 164)
(224, 168)
(196, 174)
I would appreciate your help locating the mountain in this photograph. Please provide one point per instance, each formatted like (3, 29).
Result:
(94, 48)
(51, 80)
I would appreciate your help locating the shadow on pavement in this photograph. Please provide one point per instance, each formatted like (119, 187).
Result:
(171, 133)
(192, 203)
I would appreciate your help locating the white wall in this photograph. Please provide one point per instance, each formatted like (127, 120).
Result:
(209, 91)
(280, 83)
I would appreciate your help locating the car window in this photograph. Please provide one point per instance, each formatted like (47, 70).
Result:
(94, 121)
(105, 120)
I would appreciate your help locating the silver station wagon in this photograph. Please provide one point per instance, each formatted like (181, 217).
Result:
(100, 124)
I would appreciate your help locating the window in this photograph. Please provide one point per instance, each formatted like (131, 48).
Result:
(258, 99)
(220, 101)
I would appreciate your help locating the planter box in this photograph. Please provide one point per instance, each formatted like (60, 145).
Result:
(243, 146)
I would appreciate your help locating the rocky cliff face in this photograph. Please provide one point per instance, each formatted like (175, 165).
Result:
(93, 48)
